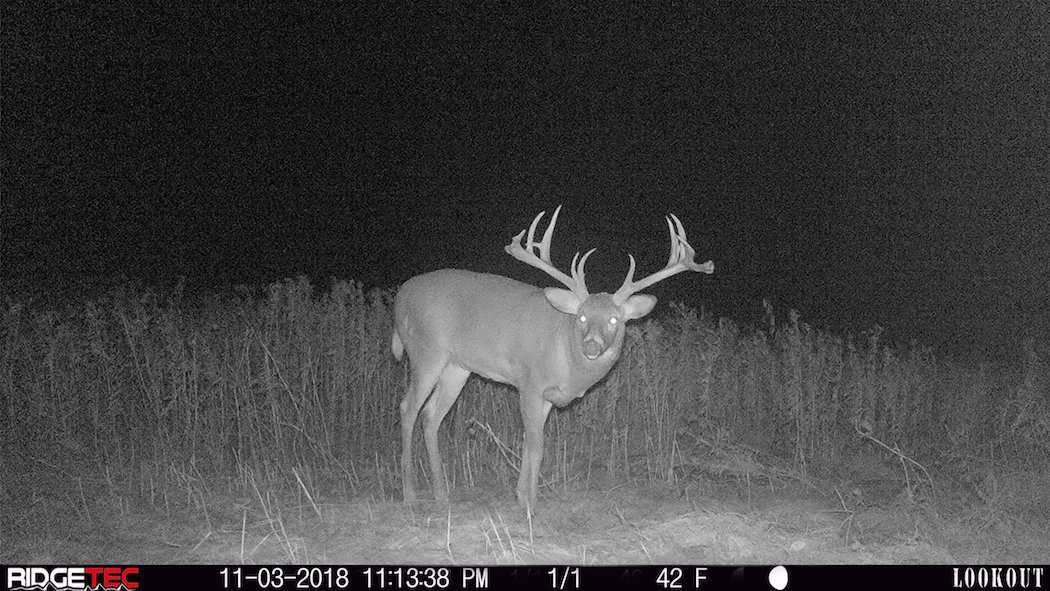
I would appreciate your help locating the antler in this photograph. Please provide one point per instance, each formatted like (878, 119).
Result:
(526, 255)
(681, 259)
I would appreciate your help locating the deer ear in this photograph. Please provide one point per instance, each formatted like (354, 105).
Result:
(562, 299)
(637, 306)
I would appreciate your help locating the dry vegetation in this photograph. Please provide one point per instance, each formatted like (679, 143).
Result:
(252, 410)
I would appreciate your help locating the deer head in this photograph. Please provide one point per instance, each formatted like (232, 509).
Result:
(601, 316)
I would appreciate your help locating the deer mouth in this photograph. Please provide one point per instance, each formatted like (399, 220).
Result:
(592, 348)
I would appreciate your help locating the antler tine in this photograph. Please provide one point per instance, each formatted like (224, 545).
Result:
(527, 253)
(531, 240)
(676, 233)
(545, 246)
(681, 258)
(578, 274)
(630, 271)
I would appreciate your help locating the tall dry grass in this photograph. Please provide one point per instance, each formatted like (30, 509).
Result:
(139, 398)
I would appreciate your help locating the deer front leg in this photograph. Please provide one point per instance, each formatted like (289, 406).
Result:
(534, 411)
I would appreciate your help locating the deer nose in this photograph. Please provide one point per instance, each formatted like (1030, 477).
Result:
(592, 348)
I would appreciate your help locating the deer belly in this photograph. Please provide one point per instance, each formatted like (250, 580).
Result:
(487, 369)
(495, 376)
(560, 398)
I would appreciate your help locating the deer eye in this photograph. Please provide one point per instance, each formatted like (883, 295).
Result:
(613, 320)
(583, 318)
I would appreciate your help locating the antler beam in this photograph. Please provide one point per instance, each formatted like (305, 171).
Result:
(681, 259)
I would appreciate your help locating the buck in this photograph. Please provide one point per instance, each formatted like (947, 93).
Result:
(551, 344)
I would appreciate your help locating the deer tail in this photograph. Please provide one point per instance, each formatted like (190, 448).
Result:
(396, 346)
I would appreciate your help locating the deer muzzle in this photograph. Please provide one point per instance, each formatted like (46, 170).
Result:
(593, 346)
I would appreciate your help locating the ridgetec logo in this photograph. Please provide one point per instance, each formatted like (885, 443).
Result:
(96, 578)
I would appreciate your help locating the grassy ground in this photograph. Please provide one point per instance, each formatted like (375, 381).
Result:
(712, 516)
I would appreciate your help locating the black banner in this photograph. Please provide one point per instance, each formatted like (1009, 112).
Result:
(552, 578)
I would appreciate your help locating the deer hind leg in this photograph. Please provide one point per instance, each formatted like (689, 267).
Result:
(534, 411)
(450, 384)
(425, 370)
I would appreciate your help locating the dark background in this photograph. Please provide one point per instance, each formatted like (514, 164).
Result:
(864, 166)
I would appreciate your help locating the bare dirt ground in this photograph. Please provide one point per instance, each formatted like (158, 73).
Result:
(704, 522)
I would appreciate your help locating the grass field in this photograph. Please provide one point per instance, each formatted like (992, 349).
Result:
(262, 426)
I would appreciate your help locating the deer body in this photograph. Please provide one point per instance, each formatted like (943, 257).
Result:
(535, 345)
(551, 344)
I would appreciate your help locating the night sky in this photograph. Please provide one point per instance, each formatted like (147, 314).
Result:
(864, 166)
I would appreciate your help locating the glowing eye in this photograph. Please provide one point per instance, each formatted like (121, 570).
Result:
(613, 320)
(583, 318)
